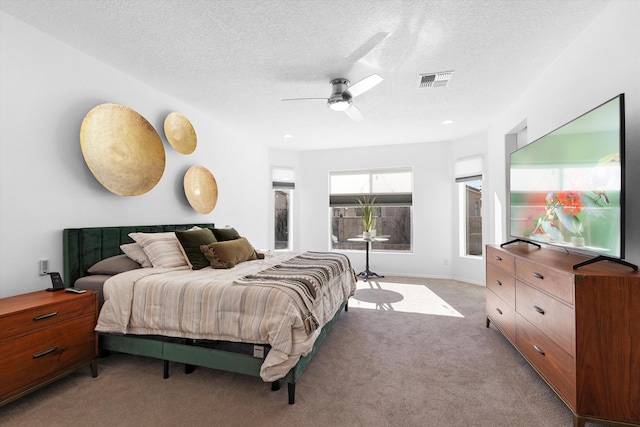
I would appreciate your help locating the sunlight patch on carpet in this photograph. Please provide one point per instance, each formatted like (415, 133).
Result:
(403, 297)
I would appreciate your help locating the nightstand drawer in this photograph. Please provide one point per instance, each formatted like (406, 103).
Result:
(549, 315)
(502, 284)
(502, 315)
(552, 362)
(34, 358)
(551, 281)
(60, 309)
(501, 259)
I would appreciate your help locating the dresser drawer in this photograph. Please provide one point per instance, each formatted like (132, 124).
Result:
(549, 315)
(43, 316)
(37, 357)
(502, 315)
(502, 284)
(552, 281)
(552, 362)
(501, 259)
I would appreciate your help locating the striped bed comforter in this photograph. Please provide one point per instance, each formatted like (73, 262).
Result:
(215, 305)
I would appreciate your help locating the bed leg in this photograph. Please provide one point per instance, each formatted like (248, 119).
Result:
(275, 385)
(189, 369)
(166, 369)
(292, 393)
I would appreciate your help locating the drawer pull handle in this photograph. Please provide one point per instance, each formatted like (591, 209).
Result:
(498, 282)
(538, 309)
(538, 349)
(498, 258)
(45, 316)
(538, 276)
(45, 352)
(498, 310)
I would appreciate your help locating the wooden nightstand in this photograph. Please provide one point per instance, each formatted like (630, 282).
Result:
(44, 336)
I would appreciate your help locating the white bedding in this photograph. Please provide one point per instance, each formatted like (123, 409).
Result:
(205, 304)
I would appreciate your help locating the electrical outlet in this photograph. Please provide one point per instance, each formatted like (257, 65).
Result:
(44, 267)
(445, 261)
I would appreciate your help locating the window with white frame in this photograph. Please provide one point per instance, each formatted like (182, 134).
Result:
(468, 174)
(392, 192)
(283, 187)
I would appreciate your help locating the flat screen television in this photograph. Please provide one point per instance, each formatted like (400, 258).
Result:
(567, 187)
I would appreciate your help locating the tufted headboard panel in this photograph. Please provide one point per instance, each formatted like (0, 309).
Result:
(83, 247)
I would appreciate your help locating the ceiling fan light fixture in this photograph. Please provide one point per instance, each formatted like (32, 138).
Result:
(339, 104)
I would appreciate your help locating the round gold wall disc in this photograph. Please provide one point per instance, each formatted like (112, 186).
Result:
(180, 133)
(201, 189)
(122, 150)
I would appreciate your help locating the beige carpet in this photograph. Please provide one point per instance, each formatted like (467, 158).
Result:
(410, 352)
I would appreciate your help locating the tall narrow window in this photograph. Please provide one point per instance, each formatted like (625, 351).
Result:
(392, 191)
(283, 187)
(469, 178)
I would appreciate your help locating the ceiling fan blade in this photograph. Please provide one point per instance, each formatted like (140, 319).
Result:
(354, 113)
(367, 47)
(364, 85)
(303, 99)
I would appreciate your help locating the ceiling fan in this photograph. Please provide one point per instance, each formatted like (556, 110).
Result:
(342, 93)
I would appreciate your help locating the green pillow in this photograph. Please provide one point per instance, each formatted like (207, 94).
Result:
(190, 241)
(224, 234)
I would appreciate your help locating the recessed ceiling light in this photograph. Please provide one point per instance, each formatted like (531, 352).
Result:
(287, 136)
(447, 122)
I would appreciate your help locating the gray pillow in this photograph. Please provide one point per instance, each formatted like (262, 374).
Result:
(114, 265)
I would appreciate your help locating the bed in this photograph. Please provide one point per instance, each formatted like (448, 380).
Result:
(240, 319)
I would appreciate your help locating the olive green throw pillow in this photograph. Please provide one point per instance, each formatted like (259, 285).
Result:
(228, 254)
(191, 240)
(224, 234)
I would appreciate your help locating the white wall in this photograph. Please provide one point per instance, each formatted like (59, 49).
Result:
(432, 204)
(602, 62)
(46, 90)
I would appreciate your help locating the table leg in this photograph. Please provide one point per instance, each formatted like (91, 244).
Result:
(368, 273)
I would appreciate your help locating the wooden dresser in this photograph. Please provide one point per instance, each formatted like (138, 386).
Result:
(44, 336)
(579, 329)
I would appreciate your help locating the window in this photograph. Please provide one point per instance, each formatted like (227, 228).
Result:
(469, 178)
(283, 187)
(393, 193)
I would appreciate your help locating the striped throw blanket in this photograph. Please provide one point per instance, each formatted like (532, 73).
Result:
(302, 277)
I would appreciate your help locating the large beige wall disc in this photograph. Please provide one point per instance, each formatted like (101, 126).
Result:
(201, 189)
(122, 150)
(180, 133)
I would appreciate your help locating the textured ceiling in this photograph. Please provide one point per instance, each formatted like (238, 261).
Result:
(236, 59)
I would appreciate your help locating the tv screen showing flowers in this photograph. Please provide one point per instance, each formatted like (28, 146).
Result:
(566, 188)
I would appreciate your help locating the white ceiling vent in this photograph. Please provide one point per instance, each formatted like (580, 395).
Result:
(435, 79)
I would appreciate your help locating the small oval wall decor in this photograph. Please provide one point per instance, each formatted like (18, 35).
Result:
(201, 189)
(122, 149)
(180, 133)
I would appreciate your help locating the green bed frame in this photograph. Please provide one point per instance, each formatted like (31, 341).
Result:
(83, 247)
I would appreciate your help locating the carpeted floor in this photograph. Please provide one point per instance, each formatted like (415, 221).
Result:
(411, 352)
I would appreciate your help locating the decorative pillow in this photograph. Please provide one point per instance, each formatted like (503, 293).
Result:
(190, 242)
(135, 252)
(114, 265)
(163, 249)
(228, 254)
(224, 234)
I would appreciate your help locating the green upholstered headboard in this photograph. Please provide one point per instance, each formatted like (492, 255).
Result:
(83, 247)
